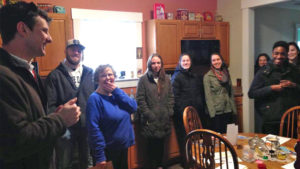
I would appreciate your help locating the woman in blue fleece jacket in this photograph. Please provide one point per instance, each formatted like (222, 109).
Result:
(110, 132)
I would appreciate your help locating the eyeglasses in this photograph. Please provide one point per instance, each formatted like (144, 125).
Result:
(106, 75)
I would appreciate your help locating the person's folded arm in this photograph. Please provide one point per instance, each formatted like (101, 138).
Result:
(258, 89)
(208, 96)
(95, 136)
(129, 104)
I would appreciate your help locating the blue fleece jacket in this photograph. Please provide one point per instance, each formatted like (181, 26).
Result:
(108, 122)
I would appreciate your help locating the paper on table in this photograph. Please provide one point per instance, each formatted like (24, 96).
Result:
(231, 166)
(288, 166)
(281, 139)
(232, 133)
(230, 160)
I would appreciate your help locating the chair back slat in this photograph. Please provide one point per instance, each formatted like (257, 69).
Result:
(200, 148)
(289, 124)
(292, 120)
(191, 119)
(226, 157)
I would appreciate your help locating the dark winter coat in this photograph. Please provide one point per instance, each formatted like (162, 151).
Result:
(188, 91)
(272, 104)
(60, 89)
(154, 110)
(27, 135)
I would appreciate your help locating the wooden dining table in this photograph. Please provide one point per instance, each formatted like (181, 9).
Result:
(270, 164)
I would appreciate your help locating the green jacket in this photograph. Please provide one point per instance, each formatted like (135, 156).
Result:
(218, 99)
(154, 110)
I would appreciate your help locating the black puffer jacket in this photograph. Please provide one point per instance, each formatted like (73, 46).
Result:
(188, 91)
(154, 110)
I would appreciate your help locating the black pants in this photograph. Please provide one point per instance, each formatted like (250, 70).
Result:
(220, 122)
(119, 158)
(67, 148)
(181, 134)
(156, 147)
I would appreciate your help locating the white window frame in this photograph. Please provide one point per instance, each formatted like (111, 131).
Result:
(81, 14)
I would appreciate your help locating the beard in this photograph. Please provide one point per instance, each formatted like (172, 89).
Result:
(72, 62)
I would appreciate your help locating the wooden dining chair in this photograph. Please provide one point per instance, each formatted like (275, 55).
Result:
(202, 147)
(191, 119)
(289, 124)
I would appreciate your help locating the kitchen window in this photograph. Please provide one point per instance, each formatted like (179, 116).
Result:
(110, 37)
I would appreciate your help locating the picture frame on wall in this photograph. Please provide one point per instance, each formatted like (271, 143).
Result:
(139, 53)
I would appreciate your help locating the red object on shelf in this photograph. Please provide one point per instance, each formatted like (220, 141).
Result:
(159, 11)
(45, 6)
(208, 16)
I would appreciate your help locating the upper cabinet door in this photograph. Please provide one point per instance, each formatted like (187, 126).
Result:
(190, 29)
(198, 30)
(207, 30)
(55, 51)
(163, 37)
(168, 43)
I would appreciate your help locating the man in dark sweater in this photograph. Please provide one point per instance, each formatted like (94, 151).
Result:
(71, 79)
(27, 134)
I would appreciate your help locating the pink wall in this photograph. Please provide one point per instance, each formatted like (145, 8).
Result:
(144, 6)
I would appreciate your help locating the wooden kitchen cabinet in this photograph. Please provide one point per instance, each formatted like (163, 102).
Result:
(55, 51)
(222, 34)
(198, 30)
(163, 37)
(137, 154)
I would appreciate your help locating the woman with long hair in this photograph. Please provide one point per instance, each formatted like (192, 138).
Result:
(155, 108)
(293, 53)
(219, 94)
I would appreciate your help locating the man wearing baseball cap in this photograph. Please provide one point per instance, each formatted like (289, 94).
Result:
(71, 79)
